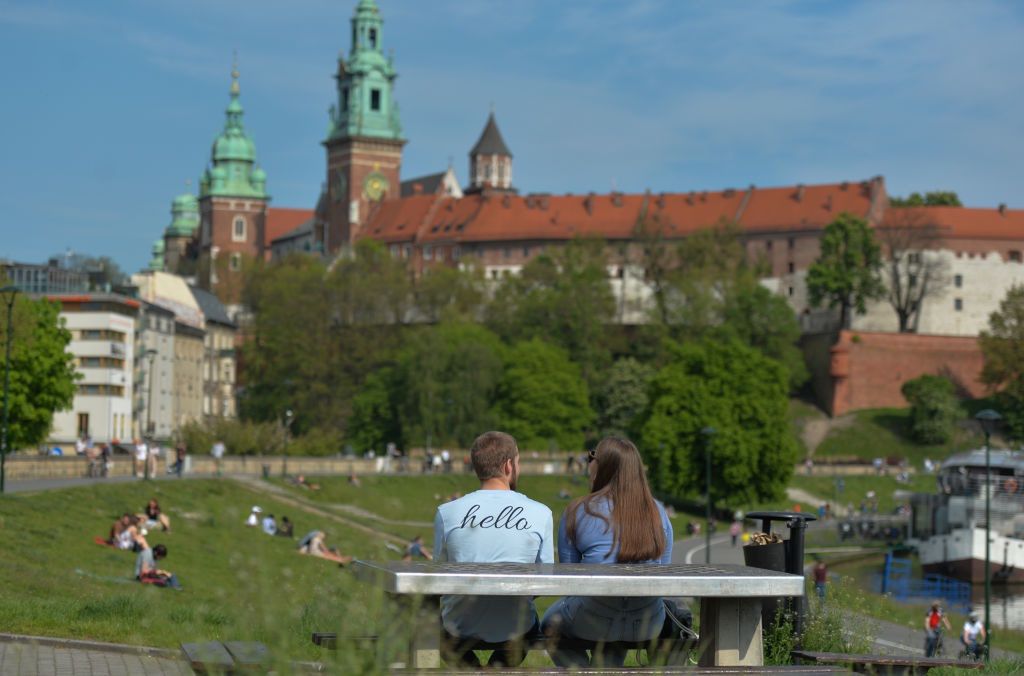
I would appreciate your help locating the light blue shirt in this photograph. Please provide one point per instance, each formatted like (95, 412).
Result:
(492, 526)
(594, 537)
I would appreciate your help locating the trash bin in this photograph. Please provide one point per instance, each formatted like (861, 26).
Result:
(266, 471)
(792, 551)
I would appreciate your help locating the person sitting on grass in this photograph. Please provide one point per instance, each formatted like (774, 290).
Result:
(415, 549)
(285, 528)
(147, 572)
(301, 482)
(153, 517)
(126, 535)
(313, 545)
(253, 519)
(269, 524)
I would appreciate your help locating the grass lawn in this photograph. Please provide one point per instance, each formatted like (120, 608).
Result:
(885, 432)
(855, 488)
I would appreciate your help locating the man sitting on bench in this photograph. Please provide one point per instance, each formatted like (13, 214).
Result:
(494, 524)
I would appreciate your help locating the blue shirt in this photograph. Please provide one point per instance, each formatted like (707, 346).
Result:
(594, 536)
(492, 526)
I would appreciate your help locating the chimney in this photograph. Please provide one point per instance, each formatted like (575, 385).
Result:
(844, 185)
(588, 203)
(689, 198)
(704, 196)
(1002, 209)
(828, 203)
(543, 202)
(728, 192)
(660, 201)
(417, 188)
(617, 199)
(799, 196)
(506, 201)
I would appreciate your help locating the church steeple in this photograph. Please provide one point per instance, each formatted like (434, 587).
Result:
(233, 171)
(366, 105)
(490, 160)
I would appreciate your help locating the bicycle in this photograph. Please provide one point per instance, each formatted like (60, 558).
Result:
(973, 652)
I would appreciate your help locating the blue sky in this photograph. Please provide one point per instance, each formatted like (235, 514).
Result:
(110, 106)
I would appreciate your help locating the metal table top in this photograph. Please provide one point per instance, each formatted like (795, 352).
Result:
(574, 579)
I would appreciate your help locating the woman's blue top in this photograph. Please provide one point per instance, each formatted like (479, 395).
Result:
(594, 536)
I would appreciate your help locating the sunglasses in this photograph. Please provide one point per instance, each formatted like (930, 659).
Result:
(591, 456)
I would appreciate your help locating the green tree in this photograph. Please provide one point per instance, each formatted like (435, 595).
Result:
(1002, 345)
(103, 272)
(622, 396)
(453, 294)
(374, 422)
(937, 198)
(447, 380)
(564, 298)
(740, 393)
(765, 321)
(934, 409)
(846, 274)
(42, 371)
(542, 400)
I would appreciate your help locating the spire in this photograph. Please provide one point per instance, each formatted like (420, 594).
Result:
(490, 160)
(491, 142)
(234, 75)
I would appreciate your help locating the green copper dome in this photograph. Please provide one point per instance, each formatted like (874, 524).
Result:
(157, 261)
(184, 217)
(233, 171)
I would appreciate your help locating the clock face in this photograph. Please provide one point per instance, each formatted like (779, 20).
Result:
(375, 186)
(340, 185)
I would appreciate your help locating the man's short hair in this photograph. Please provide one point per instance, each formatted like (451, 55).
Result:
(489, 453)
(159, 552)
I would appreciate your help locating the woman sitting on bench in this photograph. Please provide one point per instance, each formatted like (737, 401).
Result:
(618, 522)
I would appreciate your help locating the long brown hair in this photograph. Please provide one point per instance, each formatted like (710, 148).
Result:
(637, 532)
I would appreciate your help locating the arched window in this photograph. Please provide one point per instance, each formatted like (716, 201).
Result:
(373, 38)
(238, 229)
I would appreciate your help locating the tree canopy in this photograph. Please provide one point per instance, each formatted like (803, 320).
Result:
(42, 371)
(1002, 345)
(933, 408)
(937, 198)
(846, 273)
(742, 395)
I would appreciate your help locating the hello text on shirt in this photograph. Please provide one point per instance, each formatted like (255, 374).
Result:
(508, 519)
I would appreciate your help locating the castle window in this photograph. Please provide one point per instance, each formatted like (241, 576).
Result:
(456, 253)
(344, 100)
(407, 251)
(1015, 256)
(428, 252)
(792, 242)
(238, 229)
(914, 258)
(235, 262)
(958, 304)
(790, 292)
(768, 245)
(526, 252)
(373, 38)
(487, 172)
(501, 172)
(394, 251)
(375, 100)
(792, 268)
(958, 281)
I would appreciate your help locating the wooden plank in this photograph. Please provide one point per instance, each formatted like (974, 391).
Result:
(884, 660)
(211, 656)
(248, 655)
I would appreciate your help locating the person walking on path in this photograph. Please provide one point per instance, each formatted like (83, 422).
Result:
(217, 451)
(820, 579)
(734, 531)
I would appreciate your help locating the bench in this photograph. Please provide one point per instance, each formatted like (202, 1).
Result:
(227, 657)
(883, 664)
(730, 596)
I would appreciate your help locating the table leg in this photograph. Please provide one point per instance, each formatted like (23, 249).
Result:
(425, 647)
(730, 632)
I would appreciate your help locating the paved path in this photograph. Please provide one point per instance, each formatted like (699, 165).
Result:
(58, 657)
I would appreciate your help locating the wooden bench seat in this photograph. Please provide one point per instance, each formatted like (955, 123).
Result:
(226, 658)
(883, 664)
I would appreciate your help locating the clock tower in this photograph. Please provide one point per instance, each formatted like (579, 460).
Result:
(364, 136)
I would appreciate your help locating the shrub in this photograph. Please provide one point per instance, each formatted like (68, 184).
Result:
(933, 408)
(240, 437)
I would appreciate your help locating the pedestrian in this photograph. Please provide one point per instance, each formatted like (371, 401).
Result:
(734, 531)
(820, 579)
(217, 451)
(141, 455)
(179, 459)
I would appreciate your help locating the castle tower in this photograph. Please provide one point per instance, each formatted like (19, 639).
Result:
(156, 263)
(490, 161)
(364, 135)
(232, 206)
(178, 248)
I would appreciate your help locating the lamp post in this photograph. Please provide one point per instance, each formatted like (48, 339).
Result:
(150, 355)
(988, 419)
(9, 293)
(709, 434)
(289, 418)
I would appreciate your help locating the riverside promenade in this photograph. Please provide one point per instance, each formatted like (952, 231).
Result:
(42, 656)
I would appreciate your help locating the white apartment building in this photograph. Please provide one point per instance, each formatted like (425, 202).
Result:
(102, 330)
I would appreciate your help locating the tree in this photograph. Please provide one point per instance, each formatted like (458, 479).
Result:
(740, 393)
(765, 321)
(542, 400)
(42, 371)
(1002, 346)
(622, 396)
(103, 272)
(374, 422)
(914, 269)
(846, 274)
(446, 384)
(563, 297)
(934, 409)
(938, 198)
(454, 294)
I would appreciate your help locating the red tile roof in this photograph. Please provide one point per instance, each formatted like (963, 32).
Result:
(495, 216)
(280, 221)
(971, 223)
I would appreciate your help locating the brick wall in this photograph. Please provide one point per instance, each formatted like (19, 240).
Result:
(868, 369)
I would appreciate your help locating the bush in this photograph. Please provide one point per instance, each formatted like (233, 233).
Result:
(240, 437)
(933, 408)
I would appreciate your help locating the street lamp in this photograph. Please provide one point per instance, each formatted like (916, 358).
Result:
(9, 293)
(150, 355)
(709, 434)
(988, 419)
(289, 418)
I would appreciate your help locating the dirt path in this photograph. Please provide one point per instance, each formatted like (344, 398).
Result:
(283, 495)
(365, 514)
(800, 495)
(817, 430)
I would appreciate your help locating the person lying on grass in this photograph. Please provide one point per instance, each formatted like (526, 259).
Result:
(313, 545)
(147, 572)
(152, 516)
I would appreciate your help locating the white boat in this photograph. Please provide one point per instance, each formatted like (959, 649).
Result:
(948, 529)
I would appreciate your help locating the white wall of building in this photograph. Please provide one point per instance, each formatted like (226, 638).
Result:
(109, 415)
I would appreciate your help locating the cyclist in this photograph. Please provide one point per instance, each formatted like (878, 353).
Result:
(973, 636)
(933, 622)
